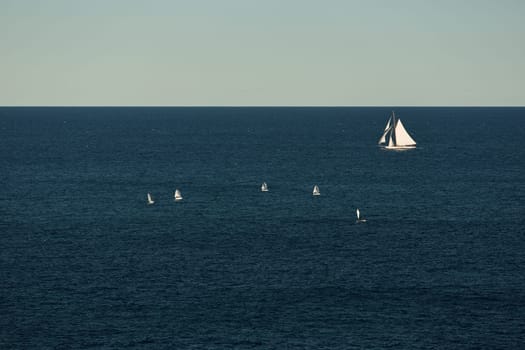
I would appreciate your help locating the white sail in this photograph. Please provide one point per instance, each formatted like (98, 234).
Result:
(391, 142)
(385, 132)
(383, 138)
(264, 187)
(360, 219)
(388, 124)
(150, 200)
(316, 191)
(177, 195)
(402, 136)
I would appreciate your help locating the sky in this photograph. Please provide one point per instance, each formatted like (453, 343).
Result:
(262, 53)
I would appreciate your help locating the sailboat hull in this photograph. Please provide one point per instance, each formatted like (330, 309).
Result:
(399, 147)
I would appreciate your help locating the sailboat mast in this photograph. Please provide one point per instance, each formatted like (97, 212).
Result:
(393, 133)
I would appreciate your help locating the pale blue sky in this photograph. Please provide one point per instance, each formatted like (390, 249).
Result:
(271, 52)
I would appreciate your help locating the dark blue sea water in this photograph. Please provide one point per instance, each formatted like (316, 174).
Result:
(85, 263)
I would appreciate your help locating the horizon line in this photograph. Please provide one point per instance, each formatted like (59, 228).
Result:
(262, 106)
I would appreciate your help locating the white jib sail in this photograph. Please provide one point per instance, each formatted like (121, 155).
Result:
(388, 124)
(357, 212)
(385, 132)
(383, 138)
(402, 136)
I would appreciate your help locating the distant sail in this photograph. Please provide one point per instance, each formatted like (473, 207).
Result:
(150, 200)
(177, 195)
(359, 217)
(264, 187)
(316, 191)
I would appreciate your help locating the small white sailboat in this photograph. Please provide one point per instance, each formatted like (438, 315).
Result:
(359, 217)
(395, 135)
(150, 200)
(316, 191)
(264, 187)
(177, 195)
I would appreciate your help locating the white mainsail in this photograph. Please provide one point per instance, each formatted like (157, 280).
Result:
(177, 195)
(264, 187)
(402, 136)
(357, 212)
(316, 191)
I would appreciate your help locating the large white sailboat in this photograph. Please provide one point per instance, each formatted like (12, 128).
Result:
(395, 135)
(264, 187)
(316, 191)
(177, 195)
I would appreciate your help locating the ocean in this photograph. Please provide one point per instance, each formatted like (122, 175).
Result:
(85, 263)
